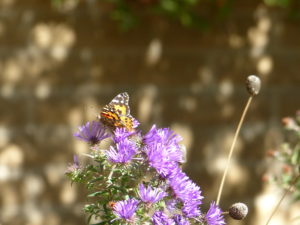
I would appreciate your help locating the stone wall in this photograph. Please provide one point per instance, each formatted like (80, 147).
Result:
(58, 68)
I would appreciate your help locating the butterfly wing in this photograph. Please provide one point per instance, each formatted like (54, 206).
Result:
(117, 112)
(127, 121)
(120, 103)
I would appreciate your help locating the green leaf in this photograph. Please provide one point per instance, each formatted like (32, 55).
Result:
(282, 3)
(97, 193)
(169, 5)
(295, 158)
(97, 179)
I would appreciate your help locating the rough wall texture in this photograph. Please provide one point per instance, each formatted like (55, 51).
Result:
(58, 68)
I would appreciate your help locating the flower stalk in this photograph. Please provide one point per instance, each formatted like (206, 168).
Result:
(253, 86)
(282, 197)
(232, 148)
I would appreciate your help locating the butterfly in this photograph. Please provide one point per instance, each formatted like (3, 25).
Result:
(117, 113)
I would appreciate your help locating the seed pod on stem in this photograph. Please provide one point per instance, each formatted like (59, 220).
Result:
(238, 211)
(253, 84)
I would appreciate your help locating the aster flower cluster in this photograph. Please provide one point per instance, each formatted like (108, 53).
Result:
(138, 179)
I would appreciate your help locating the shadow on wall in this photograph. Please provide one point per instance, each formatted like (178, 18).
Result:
(58, 68)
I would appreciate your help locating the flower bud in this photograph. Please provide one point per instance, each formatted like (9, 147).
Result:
(286, 169)
(238, 211)
(265, 178)
(271, 153)
(253, 84)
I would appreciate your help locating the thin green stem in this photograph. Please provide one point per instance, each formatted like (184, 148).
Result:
(111, 172)
(283, 196)
(232, 147)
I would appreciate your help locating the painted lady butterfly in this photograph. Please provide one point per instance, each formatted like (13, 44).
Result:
(117, 113)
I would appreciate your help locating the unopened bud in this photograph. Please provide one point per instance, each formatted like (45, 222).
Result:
(253, 84)
(286, 169)
(238, 211)
(265, 178)
(271, 153)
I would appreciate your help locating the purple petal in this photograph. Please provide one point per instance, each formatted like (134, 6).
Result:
(159, 218)
(214, 215)
(125, 209)
(92, 132)
(151, 195)
(123, 152)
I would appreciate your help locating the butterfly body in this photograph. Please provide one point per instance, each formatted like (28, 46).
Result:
(117, 113)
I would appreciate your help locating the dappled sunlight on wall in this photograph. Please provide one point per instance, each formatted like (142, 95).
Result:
(265, 65)
(259, 39)
(154, 52)
(270, 197)
(43, 90)
(31, 173)
(205, 79)
(68, 194)
(187, 134)
(11, 161)
(54, 40)
(148, 107)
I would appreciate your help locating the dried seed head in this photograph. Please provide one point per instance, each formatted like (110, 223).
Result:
(238, 211)
(253, 84)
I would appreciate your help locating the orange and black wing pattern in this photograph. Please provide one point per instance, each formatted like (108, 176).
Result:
(117, 113)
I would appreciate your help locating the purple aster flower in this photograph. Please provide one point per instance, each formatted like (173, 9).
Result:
(76, 161)
(123, 152)
(121, 134)
(162, 150)
(158, 159)
(191, 209)
(151, 195)
(125, 209)
(180, 220)
(92, 132)
(172, 205)
(214, 215)
(73, 167)
(135, 123)
(187, 191)
(168, 141)
(159, 218)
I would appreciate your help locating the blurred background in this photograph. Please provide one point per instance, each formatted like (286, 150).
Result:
(184, 65)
